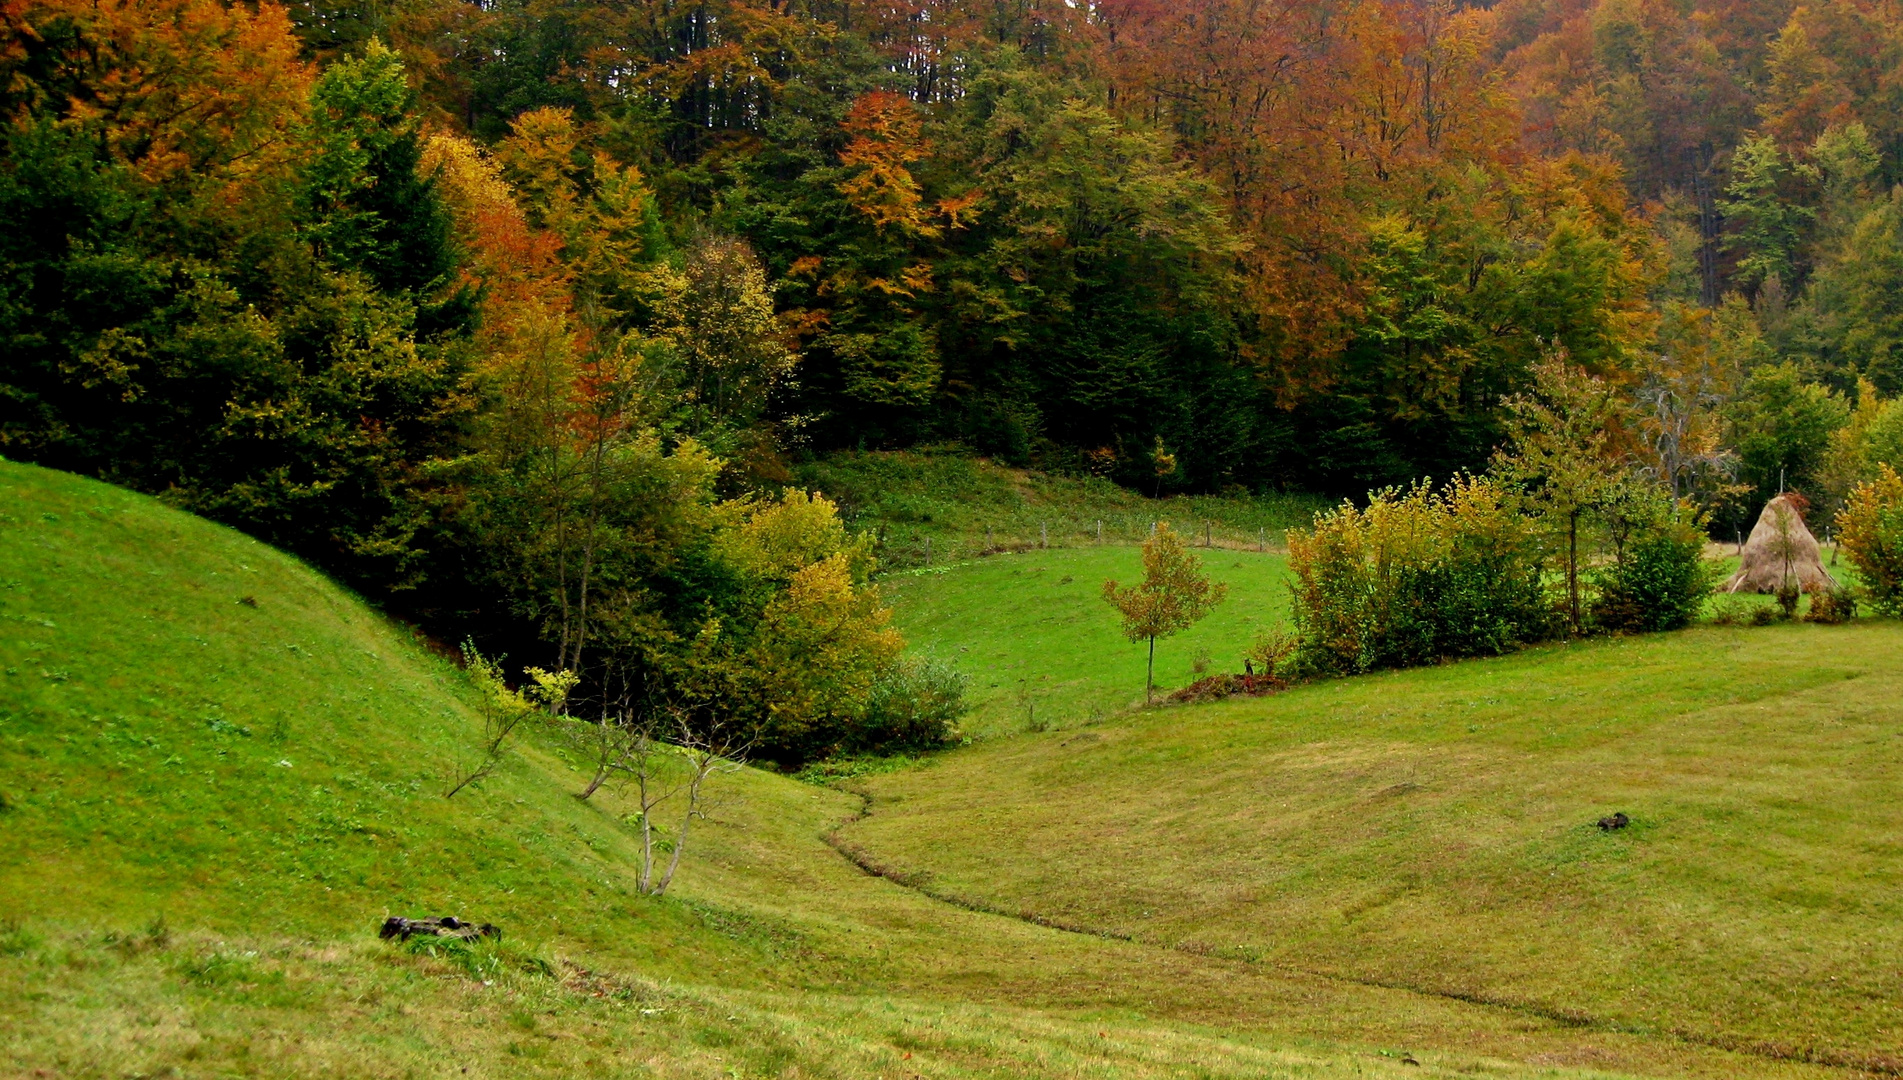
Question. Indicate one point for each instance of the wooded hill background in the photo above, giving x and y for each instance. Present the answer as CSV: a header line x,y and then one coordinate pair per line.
x,y
333,271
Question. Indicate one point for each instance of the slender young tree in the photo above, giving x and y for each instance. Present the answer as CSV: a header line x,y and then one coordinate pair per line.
x,y
1174,595
1564,455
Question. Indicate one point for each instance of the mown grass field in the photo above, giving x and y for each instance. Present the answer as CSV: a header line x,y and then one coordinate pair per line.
x,y
206,807
1041,647
209,806
1434,830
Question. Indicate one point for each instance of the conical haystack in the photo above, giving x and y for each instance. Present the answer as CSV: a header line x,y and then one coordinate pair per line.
x,y
1780,545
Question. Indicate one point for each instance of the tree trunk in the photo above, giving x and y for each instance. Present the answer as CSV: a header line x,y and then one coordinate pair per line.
x,y
1149,677
601,775
701,768
1572,567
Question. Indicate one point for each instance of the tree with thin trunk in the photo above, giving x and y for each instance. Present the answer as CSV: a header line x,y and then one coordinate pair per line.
x,y
503,708
671,759
1564,456
608,743
1174,595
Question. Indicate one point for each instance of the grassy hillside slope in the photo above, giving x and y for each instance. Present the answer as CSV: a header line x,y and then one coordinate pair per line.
x,y
1042,648
1434,829
209,805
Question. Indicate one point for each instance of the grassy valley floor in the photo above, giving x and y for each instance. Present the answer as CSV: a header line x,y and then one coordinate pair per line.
x,y
1042,648
218,773
1434,830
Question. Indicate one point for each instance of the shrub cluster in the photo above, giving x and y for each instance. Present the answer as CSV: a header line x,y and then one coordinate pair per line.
x,y
1660,578
1833,605
1870,532
1418,576
915,705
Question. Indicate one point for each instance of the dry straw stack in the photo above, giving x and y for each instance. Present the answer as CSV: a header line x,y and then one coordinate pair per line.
x,y
1781,548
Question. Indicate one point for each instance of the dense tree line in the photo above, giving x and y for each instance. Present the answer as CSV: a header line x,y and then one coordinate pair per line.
x,y
522,309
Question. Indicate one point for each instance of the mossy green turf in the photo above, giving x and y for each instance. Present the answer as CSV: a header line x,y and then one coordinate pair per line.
x,y
1041,647
203,824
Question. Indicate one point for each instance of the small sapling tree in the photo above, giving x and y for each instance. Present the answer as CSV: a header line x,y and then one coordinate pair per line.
x,y
1173,595
1784,545
671,759
1870,530
503,709
1563,457
609,743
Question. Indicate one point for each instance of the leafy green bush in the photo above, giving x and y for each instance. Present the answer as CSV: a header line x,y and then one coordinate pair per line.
x,y
1417,577
915,705
1870,533
1660,579
1832,605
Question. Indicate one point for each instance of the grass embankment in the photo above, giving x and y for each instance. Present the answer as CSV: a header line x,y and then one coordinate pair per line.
x,y
1434,829
209,805
963,504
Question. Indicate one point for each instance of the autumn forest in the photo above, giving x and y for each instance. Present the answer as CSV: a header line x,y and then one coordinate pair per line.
x,y
527,307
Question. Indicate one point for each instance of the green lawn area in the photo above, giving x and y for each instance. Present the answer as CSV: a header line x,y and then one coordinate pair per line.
x,y
929,507
1039,643
219,772
1434,829
207,805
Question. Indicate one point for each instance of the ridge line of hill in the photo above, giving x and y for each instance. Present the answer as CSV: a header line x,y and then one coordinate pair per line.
x,y
919,882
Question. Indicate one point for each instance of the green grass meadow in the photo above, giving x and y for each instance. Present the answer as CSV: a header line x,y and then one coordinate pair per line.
x,y
219,772
1434,829
1041,647
934,508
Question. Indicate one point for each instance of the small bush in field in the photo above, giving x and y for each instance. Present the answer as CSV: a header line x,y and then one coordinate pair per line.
x,y
915,705
1418,577
1271,655
1870,534
1832,606
1788,594
1661,579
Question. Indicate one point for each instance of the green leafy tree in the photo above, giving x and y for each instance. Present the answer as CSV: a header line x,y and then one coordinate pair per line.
x,y
1659,578
723,326
1870,530
1781,424
1770,224
1174,595
503,709
1563,457
1856,300
368,206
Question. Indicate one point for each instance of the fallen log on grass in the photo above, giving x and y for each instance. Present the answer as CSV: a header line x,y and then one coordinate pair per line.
x,y
448,926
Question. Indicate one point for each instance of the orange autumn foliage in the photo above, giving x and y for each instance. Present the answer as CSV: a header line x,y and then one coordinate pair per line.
x,y
175,86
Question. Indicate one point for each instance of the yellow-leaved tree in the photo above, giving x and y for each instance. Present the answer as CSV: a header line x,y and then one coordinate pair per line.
x,y
1174,595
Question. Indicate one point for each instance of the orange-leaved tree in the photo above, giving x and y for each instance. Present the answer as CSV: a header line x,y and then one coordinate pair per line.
x,y
1174,595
